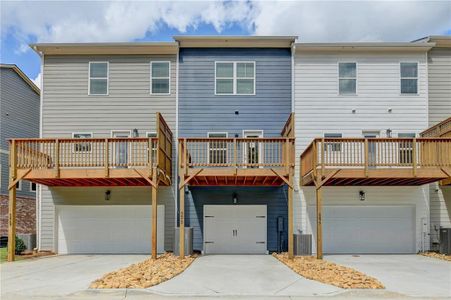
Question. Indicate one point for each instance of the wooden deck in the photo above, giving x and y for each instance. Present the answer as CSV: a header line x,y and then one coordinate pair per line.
x,y
376,162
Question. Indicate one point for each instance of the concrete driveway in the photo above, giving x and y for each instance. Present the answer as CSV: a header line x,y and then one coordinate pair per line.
x,y
58,275
411,275
243,275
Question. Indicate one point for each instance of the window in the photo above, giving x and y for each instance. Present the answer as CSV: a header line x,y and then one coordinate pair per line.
x,y
19,185
405,148
98,78
160,77
235,78
409,78
82,147
33,187
217,150
347,78
332,146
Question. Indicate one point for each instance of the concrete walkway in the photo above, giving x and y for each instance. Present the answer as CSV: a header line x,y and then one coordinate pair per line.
x,y
252,275
58,275
411,275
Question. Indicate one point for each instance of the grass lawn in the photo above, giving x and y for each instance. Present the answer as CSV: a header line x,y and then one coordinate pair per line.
x,y
4,255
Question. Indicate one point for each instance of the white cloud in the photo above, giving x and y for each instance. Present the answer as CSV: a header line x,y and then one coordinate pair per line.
x,y
37,80
96,21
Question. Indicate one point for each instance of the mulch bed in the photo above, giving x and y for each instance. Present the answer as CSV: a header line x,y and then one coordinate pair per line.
x,y
330,273
144,274
436,255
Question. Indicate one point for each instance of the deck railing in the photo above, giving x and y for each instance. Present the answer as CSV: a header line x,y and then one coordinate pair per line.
x,y
236,152
85,153
376,153
442,129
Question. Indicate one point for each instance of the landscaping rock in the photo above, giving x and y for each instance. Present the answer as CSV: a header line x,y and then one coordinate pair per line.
x,y
144,274
330,273
436,255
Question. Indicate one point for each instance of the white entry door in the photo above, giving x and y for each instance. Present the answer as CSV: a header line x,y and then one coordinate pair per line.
x,y
108,229
235,229
366,229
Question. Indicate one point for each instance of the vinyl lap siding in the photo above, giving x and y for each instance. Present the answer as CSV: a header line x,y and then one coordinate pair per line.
x,y
320,109
19,106
67,108
439,66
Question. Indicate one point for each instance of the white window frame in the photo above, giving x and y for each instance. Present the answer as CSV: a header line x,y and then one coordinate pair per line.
x,y
355,78
168,77
258,132
31,186
73,136
129,132
209,148
417,78
107,78
19,185
235,78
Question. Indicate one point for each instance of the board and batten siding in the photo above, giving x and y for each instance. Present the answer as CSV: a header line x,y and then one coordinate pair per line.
x,y
19,107
201,111
320,109
439,67
67,108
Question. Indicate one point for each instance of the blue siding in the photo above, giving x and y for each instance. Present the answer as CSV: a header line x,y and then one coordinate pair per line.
x,y
201,111
274,197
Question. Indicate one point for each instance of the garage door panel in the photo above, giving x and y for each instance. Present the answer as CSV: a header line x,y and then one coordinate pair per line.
x,y
107,229
367,229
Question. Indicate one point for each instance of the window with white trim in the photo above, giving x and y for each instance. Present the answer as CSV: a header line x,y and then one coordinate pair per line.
x,y
82,147
347,78
98,78
406,148
409,77
160,77
235,78
33,186
19,185
217,150
332,146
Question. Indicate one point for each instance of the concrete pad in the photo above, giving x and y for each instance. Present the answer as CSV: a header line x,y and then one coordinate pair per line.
x,y
59,275
257,275
411,275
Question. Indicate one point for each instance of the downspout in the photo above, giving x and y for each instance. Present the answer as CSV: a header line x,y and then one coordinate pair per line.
x,y
293,52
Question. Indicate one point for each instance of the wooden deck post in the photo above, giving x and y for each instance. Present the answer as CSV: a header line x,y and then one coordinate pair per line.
x,y
57,158
414,157
106,159
366,157
290,215
182,222
154,214
319,224
12,203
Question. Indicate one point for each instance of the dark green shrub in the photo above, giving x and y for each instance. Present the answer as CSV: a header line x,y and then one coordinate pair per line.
x,y
20,245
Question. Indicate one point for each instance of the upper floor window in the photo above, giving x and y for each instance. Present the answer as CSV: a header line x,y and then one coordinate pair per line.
x,y
98,78
347,78
160,77
235,78
409,78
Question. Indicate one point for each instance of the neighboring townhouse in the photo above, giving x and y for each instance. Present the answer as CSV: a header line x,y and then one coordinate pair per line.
x,y
235,96
348,98
107,115
19,107
439,89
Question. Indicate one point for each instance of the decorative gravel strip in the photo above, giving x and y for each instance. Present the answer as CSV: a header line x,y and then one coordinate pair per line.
x,y
144,274
330,273
437,255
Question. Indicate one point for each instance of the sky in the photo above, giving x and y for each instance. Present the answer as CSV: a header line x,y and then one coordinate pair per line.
x,y
25,22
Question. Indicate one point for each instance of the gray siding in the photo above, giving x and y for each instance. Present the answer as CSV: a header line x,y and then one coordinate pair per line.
x,y
19,107
439,67
201,111
67,108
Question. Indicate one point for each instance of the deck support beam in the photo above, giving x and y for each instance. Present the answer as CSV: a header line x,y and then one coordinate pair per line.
x,y
182,222
154,213
319,223
12,202
290,215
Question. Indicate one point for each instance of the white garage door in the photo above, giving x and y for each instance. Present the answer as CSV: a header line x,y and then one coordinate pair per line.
x,y
235,229
107,229
367,229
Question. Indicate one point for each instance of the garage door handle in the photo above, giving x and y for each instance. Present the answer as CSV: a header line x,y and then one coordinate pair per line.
x,y
261,217
260,242
208,242
209,216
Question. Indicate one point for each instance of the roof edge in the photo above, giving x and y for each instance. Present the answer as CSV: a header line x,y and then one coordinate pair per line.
x,y
364,46
25,78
